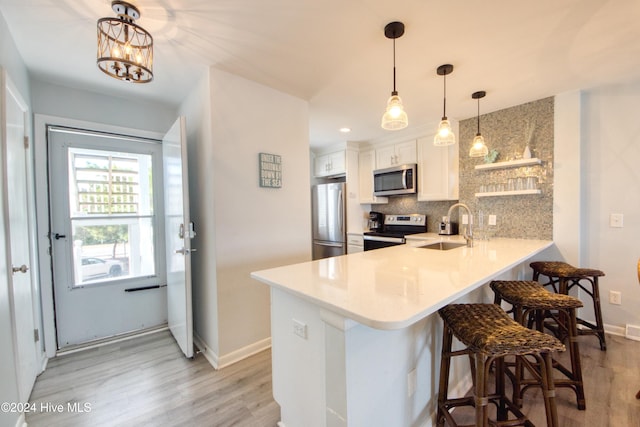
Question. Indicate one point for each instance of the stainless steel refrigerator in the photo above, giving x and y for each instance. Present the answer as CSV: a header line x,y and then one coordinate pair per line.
x,y
328,218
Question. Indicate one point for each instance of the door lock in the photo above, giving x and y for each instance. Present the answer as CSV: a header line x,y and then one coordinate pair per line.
x,y
59,236
22,269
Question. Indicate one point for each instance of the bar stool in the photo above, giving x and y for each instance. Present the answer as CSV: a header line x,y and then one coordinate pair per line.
x,y
531,302
489,335
563,277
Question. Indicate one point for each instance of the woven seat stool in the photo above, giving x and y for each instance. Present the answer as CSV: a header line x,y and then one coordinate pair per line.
x,y
489,335
532,302
563,277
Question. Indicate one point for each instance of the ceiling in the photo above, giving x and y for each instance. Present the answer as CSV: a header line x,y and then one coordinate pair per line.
x,y
333,53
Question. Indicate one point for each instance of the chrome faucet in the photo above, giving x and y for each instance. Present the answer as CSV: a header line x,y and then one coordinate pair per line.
x,y
468,232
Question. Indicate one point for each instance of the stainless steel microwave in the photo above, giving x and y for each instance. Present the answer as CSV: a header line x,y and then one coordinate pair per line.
x,y
395,180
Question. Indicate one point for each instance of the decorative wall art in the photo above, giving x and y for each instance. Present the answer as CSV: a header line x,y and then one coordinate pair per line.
x,y
270,167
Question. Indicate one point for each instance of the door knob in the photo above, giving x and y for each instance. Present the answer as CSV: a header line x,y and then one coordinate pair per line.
x,y
22,269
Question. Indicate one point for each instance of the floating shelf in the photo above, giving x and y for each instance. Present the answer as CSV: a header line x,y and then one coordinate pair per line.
x,y
509,164
509,193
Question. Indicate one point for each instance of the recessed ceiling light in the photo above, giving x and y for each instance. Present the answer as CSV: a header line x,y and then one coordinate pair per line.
x,y
345,130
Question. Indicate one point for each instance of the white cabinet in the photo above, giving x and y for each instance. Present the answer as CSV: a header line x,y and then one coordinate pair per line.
x,y
330,164
366,166
438,174
355,243
397,154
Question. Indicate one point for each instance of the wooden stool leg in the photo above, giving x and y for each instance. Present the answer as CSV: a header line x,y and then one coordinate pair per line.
x,y
548,389
480,393
574,352
445,365
598,313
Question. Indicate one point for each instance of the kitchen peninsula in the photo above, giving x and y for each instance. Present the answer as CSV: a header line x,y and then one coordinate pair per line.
x,y
356,338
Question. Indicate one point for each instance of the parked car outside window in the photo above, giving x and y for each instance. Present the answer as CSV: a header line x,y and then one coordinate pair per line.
x,y
97,267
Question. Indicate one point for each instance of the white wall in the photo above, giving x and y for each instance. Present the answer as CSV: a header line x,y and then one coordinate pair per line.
x,y
11,61
64,101
256,227
611,140
241,226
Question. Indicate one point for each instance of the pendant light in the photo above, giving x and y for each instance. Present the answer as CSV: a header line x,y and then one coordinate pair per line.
x,y
125,49
394,118
478,147
445,135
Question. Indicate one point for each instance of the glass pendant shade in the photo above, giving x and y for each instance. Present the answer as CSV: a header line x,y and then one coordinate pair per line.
x,y
478,147
394,118
125,49
445,135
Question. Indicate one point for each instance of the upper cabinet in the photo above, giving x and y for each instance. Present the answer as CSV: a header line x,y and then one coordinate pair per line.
x,y
330,164
438,174
397,154
366,166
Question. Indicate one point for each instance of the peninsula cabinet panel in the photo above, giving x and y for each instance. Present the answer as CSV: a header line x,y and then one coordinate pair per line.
x,y
438,173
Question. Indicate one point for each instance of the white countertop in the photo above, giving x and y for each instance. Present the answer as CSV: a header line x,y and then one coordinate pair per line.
x,y
394,287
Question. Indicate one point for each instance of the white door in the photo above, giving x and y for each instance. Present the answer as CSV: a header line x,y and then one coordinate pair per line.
x,y
15,193
179,232
107,227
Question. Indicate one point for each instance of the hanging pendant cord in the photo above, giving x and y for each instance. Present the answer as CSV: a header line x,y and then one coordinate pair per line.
x,y
394,67
444,100
478,116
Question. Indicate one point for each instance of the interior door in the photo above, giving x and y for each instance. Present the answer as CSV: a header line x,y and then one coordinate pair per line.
x,y
18,252
179,232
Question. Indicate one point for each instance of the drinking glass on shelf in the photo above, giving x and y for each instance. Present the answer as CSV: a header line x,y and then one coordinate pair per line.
x,y
520,183
532,183
500,187
511,184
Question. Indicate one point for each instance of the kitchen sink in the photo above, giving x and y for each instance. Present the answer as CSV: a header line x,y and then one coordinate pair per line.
x,y
443,246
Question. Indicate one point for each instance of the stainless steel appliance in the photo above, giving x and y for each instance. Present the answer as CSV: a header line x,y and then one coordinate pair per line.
x,y
394,229
328,220
376,221
396,180
447,228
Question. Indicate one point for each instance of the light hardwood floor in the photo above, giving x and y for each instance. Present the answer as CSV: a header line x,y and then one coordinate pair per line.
x,y
147,382
611,380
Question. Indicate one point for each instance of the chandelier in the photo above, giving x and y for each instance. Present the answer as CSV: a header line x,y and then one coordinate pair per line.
x,y
125,49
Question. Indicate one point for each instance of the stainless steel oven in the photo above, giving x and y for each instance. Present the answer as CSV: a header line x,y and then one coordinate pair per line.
x,y
394,229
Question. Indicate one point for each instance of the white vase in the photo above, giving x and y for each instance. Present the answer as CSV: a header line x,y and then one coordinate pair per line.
x,y
526,154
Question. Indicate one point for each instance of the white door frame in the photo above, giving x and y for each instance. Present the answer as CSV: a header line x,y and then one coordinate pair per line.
x,y
42,208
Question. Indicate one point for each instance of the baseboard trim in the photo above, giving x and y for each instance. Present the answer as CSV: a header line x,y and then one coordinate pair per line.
x,y
219,362
632,332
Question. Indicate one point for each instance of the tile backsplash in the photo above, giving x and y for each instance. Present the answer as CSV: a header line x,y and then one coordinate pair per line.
x,y
507,132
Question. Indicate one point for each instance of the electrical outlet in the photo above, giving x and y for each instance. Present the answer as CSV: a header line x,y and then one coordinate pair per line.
x,y
492,220
616,220
412,382
615,297
299,329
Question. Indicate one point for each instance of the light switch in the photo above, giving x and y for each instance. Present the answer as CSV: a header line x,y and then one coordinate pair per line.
x,y
616,220
492,220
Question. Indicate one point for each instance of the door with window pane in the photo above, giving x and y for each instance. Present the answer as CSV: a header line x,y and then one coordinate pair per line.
x,y
106,232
